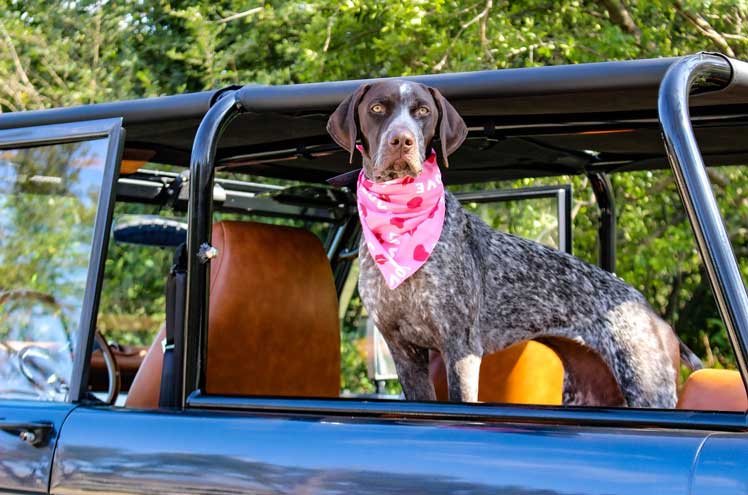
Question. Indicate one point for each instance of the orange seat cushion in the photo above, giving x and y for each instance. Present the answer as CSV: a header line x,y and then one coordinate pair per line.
x,y
714,390
526,373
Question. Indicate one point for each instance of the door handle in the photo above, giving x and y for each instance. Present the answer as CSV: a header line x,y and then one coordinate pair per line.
x,y
35,434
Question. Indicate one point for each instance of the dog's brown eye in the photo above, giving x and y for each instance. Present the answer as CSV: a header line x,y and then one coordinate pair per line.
x,y
422,111
377,108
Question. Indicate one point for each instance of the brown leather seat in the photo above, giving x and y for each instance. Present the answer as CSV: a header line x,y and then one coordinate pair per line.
x,y
273,326
526,373
714,390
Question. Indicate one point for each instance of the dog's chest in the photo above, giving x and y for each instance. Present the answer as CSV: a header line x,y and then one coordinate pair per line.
x,y
444,284
406,309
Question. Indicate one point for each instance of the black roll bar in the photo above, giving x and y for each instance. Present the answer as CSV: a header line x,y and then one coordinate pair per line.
x,y
606,229
684,77
199,251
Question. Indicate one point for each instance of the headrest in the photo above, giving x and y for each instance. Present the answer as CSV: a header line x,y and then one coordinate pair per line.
x,y
273,326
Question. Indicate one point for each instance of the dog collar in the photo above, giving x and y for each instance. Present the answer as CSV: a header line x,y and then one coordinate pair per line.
x,y
402,220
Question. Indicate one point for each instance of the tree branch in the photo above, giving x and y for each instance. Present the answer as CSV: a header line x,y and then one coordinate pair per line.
x,y
483,36
619,14
484,13
328,36
326,44
8,104
738,37
705,28
28,86
239,15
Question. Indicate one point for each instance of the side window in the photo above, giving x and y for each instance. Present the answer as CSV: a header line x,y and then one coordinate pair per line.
x,y
49,197
541,214
132,308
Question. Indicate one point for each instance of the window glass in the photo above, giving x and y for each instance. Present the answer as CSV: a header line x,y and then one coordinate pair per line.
x,y
48,198
535,219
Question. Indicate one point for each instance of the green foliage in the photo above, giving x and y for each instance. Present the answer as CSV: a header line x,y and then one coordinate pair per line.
x,y
85,51
48,196
133,297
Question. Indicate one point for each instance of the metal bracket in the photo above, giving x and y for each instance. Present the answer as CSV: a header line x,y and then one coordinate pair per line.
x,y
206,252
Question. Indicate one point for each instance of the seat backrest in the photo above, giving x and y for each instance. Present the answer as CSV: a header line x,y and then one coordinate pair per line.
x,y
525,373
273,327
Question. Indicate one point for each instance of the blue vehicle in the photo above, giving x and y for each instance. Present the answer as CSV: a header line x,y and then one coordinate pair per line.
x,y
240,390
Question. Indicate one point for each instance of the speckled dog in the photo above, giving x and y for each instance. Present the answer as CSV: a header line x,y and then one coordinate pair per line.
x,y
482,290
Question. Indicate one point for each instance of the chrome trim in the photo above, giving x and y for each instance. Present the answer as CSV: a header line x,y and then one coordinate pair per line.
x,y
480,412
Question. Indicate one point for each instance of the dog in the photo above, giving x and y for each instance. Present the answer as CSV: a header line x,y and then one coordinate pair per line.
x,y
481,290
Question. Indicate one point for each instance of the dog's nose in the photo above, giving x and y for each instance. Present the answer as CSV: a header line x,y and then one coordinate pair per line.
x,y
402,139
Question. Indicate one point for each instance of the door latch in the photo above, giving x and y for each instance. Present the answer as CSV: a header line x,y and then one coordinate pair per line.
x,y
35,434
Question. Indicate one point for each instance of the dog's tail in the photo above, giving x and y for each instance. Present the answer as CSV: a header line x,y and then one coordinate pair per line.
x,y
689,358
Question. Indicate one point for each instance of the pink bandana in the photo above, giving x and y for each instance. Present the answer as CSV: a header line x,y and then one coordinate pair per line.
x,y
402,220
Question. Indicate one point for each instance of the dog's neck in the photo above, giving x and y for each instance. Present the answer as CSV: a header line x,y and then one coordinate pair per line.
x,y
401,220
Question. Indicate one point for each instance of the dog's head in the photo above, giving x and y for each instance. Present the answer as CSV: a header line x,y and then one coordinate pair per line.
x,y
397,122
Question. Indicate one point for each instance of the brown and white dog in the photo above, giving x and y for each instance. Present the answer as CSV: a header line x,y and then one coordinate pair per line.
x,y
481,290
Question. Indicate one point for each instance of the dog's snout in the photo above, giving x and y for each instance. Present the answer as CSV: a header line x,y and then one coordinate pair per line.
x,y
402,139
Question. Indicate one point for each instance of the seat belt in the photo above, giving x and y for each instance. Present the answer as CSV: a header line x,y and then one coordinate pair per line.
x,y
171,370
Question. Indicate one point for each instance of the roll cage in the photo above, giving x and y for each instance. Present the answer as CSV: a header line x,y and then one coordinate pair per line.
x,y
587,119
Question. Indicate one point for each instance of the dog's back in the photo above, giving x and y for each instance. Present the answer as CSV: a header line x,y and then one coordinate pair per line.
x,y
530,291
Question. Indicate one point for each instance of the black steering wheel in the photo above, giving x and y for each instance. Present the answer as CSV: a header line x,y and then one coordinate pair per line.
x,y
41,366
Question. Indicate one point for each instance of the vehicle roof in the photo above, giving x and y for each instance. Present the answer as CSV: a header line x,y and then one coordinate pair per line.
x,y
524,122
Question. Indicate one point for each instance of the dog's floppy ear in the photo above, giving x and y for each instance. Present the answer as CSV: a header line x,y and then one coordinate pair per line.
x,y
343,123
452,129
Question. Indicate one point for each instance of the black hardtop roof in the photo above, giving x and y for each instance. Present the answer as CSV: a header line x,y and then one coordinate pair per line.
x,y
524,122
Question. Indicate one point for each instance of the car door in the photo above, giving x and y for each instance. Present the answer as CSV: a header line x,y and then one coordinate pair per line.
x,y
224,445
55,196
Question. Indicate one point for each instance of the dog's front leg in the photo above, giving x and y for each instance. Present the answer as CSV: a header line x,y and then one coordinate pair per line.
x,y
412,363
463,372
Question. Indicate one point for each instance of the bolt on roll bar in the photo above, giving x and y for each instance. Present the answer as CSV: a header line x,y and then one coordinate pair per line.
x,y
682,78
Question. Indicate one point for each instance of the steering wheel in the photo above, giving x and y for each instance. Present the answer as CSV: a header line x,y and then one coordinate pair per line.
x,y
41,366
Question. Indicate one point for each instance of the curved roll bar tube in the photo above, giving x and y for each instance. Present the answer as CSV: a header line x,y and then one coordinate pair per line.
x,y
683,77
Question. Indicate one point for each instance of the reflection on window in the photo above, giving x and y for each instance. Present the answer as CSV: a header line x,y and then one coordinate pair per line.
x,y
48,199
535,219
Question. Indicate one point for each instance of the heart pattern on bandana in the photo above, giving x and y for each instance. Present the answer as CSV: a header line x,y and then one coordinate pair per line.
x,y
402,220
420,253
